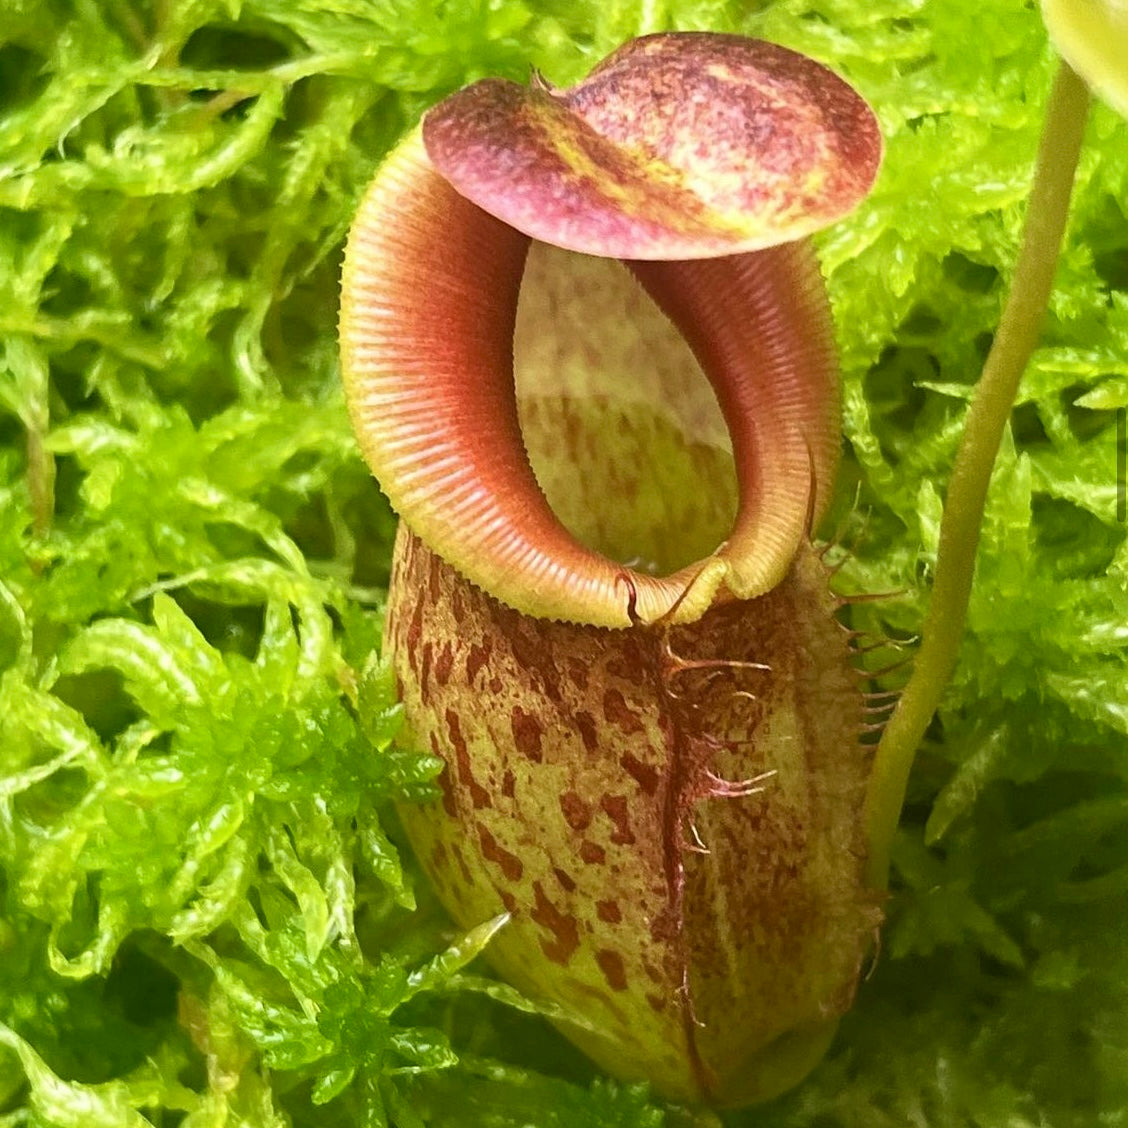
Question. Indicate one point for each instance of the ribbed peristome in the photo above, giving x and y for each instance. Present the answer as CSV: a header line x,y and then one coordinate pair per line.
x,y
431,289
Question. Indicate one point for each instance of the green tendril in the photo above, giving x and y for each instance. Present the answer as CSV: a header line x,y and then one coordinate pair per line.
x,y
1017,335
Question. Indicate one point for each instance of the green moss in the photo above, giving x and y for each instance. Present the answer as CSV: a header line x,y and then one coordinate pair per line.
x,y
203,909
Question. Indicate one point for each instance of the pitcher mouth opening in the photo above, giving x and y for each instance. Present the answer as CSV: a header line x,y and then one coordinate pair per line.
x,y
621,426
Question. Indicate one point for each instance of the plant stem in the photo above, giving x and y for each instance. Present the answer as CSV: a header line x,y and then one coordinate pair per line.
x,y
40,482
1017,335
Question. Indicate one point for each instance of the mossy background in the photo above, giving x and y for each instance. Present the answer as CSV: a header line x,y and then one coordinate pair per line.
x,y
204,917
